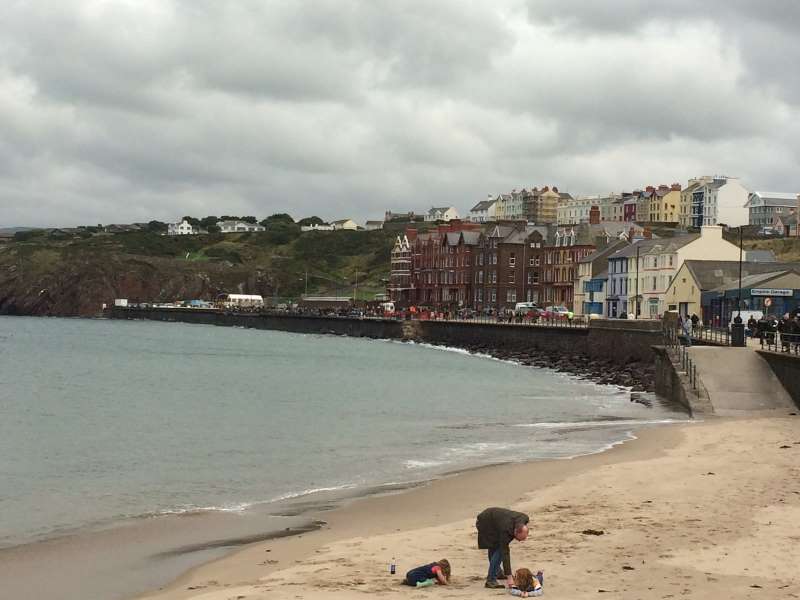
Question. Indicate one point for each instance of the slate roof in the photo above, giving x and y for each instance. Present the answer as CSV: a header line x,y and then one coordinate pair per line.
x,y
483,205
712,274
758,279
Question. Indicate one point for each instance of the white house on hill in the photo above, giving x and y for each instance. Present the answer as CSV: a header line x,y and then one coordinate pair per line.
x,y
484,211
239,226
442,213
182,228
347,224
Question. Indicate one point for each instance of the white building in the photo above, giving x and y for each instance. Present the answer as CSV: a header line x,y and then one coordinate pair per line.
x,y
442,213
316,227
373,225
182,228
574,211
714,200
763,207
484,211
239,226
347,224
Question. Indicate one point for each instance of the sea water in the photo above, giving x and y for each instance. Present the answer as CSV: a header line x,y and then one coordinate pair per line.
x,y
106,421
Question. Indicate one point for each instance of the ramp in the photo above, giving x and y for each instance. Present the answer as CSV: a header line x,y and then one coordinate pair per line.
x,y
739,382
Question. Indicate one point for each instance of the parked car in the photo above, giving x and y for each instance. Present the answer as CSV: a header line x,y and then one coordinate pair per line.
x,y
556,312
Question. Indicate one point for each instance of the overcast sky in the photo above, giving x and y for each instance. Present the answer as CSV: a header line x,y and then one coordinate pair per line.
x,y
129,110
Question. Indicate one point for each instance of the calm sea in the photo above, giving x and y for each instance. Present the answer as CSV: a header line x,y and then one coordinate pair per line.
x,y
105,421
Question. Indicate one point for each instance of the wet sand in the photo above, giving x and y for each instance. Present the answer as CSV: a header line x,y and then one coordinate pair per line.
x,y
706,510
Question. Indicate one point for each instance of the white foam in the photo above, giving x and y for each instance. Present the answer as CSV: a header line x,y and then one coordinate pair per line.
x,y
591,424
423,464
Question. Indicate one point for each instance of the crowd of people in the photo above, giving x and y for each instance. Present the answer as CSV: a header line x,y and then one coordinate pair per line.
x,y
772,331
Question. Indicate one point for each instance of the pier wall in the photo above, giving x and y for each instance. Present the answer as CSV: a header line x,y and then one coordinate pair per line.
x,y
619,341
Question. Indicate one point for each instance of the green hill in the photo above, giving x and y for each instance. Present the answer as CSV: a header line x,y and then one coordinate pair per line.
x,y
57,274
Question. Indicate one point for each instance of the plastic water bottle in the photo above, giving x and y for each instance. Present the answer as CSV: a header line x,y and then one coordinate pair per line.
x,y
540,577
392,567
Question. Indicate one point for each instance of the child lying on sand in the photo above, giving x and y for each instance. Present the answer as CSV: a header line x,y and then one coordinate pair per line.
x,y
525,584
437,572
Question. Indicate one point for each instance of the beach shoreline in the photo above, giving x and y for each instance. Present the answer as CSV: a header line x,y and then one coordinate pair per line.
x,y
342,521
640,494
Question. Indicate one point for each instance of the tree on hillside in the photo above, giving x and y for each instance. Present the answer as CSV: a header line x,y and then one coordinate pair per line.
x,y
152,227
193,221
315,220
208,222
249,219
229,218
276,218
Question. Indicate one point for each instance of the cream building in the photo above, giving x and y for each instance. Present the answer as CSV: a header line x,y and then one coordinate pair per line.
x,y
659,264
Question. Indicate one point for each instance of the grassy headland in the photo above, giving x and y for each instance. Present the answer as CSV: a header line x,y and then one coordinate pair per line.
x,y
45,274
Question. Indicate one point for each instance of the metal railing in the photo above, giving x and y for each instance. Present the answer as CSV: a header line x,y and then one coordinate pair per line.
x,y
676,345
775,341
577,322
711,335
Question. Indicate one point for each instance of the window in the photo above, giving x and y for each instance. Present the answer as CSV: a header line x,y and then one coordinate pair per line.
x,y
530,261
480,259
494,276
494,295
494,258
512,260
480,276
511,295
511,277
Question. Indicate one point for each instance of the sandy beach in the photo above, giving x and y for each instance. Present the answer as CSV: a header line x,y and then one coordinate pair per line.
x,y
705,510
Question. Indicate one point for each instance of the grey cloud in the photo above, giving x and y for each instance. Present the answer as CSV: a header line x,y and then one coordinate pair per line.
x,y
154,109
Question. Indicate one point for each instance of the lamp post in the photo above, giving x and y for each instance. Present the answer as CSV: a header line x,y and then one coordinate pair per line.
x,y
636,298
737,328
739,296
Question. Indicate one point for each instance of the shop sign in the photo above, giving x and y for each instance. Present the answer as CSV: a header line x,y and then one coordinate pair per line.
x,y
771,292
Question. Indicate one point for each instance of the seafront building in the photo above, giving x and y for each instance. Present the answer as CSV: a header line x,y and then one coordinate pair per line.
x,y
714,200
696,277
764,207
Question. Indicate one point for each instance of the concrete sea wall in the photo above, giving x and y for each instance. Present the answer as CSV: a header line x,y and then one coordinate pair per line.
x,y
613,341
787,369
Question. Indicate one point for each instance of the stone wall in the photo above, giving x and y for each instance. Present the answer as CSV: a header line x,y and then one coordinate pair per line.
x,y
787,369
380,329
613,341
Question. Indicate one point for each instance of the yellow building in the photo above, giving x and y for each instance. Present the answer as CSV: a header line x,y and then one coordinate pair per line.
x,y
665,203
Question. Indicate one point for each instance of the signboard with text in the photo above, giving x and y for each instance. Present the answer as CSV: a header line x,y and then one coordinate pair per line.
x,y
771,292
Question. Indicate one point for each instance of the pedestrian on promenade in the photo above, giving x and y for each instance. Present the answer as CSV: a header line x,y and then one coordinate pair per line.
x,y
763,325
687,332
752,326
695,321
497,528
